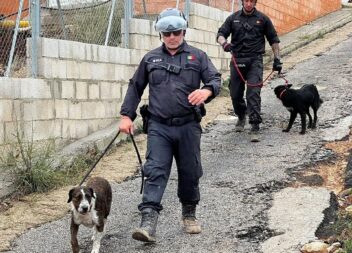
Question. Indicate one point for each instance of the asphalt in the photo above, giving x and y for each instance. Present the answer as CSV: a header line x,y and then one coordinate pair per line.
x,y
289,42
284,200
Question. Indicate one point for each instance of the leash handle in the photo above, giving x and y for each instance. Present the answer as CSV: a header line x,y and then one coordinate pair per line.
x,y
140,162
101,155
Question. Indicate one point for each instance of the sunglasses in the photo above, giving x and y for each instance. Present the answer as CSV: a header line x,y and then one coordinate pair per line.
x,y
175,33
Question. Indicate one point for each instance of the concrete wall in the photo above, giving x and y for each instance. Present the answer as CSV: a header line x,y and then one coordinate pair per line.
x,y
79,91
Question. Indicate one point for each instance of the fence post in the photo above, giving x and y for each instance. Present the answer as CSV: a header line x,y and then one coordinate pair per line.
x,y
61,19
239,4
128,15
35,19
187,8
14,39
110,22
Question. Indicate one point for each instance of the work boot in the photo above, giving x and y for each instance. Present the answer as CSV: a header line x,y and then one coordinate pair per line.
x,y
190,223
240,124
255,133
147,229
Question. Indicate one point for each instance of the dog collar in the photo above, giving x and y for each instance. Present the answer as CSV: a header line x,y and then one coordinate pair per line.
x,y
282,92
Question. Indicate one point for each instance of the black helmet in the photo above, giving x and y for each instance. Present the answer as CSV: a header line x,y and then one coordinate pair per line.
x,y
169,20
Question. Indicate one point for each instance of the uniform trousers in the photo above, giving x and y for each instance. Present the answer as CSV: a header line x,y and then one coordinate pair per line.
x,y
163,144
252,71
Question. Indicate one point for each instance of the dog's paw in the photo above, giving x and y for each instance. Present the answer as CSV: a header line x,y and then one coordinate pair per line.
x,y
302,132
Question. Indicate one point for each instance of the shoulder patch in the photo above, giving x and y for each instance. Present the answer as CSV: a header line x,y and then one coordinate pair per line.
x,y
191,57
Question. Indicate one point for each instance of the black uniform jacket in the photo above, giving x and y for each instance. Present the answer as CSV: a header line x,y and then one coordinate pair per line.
x,y
171,79
248,31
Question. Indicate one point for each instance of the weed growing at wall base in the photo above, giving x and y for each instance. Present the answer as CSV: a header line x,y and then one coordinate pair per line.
x,y
32,166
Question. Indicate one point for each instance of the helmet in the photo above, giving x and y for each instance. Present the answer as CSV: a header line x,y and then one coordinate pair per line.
x,y
170,20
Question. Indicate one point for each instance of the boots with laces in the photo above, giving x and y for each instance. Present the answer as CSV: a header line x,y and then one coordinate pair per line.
x,y
190,223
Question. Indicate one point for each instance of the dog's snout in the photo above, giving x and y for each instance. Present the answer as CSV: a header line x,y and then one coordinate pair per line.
x,y
83,209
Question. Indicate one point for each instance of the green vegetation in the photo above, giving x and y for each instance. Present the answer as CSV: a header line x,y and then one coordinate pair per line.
x,y
32,166
225,91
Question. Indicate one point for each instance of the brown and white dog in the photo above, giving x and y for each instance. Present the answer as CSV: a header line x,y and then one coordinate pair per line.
x,y
90,207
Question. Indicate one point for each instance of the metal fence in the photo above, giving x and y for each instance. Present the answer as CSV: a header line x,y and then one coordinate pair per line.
x,y
88,21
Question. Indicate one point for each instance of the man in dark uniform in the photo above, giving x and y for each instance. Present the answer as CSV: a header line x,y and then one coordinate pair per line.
x,y
174,72
248,28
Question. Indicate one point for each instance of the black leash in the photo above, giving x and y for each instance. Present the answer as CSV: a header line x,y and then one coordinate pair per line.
x,y
101,155
140,162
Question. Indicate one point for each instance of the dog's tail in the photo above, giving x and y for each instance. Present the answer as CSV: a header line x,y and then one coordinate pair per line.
x,y
319,103
318,100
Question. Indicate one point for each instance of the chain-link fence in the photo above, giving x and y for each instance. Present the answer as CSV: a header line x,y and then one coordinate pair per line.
x,y
13,41
88,21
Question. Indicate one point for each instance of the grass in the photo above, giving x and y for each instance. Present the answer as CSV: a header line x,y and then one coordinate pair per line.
x,y
32,166
224,89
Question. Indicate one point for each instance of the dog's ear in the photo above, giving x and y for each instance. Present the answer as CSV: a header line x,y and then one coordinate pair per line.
x,y
70,195
91,191
289,85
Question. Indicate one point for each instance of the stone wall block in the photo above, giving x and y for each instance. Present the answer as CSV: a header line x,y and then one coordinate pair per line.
x,y
65,49
50,48
81,90
6,110
61,109
74,110
35,88
78,50
10,88
93,91
38,110
67,89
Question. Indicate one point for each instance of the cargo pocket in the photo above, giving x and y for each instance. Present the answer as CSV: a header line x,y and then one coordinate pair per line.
x,y
192,75
157,74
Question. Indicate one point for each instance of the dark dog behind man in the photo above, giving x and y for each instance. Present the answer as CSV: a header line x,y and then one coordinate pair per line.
x,y
299,101
90,206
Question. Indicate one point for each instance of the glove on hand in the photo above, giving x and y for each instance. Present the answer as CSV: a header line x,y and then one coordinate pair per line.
x,y
226,46
277,65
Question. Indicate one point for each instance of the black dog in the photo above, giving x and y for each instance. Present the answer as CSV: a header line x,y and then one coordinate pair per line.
x,y
299,101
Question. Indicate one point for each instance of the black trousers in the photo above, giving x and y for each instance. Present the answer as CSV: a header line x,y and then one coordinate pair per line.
x,y
165,143
252,71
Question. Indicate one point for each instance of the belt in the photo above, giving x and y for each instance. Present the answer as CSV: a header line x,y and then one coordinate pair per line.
x,y
244,55
176,121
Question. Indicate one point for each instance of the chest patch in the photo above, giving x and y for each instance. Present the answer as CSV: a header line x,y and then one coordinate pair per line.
x,y
156,60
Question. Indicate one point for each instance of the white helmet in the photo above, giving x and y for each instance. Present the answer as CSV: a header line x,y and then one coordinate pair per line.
x,y
169,20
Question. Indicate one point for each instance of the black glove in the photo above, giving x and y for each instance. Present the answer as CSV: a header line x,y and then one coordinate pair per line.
x,y
227,46
277,65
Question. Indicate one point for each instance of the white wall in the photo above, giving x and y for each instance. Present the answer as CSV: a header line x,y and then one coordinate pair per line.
x,y
81,86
